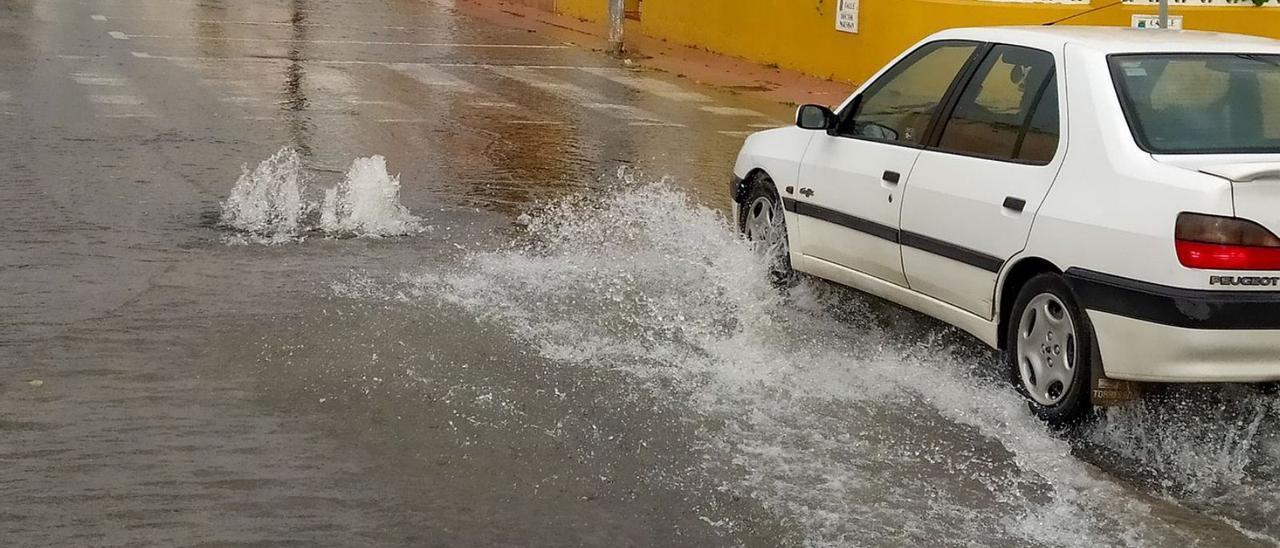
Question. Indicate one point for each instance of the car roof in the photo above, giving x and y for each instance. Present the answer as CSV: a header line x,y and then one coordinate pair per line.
x,y
1117,39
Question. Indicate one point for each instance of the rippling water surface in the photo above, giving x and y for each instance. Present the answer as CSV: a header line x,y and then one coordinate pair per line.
x,y
446,327
857,422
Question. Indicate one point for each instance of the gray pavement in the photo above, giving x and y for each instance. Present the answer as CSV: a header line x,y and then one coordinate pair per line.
x,y
608,371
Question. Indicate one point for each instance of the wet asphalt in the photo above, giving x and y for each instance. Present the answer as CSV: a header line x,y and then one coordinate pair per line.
x,y
138,402
163,383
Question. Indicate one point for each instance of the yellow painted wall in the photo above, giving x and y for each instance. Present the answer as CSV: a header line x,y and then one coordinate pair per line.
x,y
801,35
590,10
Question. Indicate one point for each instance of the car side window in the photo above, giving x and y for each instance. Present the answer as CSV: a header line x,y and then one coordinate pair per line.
x,y
1008,110
899,105
1041,139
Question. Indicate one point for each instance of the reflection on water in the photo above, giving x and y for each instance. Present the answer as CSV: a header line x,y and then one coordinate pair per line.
x,y
812,401
295,104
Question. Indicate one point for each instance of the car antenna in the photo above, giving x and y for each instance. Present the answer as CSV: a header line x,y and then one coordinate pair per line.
x,y
1085,12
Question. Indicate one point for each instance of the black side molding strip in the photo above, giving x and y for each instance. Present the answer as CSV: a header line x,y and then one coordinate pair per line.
x,y
1174,306
952,251
885,232
859,224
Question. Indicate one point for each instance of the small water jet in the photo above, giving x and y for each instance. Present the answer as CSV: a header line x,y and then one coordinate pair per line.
x,y
269,204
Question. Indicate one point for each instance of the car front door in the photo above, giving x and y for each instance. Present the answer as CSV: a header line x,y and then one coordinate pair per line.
x,y
970,201
851,177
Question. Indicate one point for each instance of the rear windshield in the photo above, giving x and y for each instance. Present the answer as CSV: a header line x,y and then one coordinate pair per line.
x,y
1201,103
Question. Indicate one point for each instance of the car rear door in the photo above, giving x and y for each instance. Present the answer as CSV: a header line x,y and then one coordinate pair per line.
x,y
970,201
851,178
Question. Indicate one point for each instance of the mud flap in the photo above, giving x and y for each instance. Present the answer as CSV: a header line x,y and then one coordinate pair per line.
x,y
1109,392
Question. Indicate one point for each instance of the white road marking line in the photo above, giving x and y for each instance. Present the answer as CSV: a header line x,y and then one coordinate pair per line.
x,y
98,17
492,104
64,56
433,76
368,102
260,118
340,89
118,35
437,120
240,100
95,80
575,94
5,97
736,133
607,106
184,59
731,111
652,86
332,80
115,100
354,42
320,111
657,124
261,23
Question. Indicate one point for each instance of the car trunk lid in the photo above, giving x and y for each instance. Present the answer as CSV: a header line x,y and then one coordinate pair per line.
x,y
1245,172
1255,184
1255,190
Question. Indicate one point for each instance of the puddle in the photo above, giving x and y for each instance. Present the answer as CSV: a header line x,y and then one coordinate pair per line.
x,y
858,424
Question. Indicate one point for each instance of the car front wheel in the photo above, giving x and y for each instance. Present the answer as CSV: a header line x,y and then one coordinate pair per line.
x,y
1049,350
765,226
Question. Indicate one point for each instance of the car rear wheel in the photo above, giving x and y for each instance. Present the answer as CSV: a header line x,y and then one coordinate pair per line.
x,y
1049,350
765,226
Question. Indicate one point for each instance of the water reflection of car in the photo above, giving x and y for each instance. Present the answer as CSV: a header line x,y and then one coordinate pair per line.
x,y
1092,201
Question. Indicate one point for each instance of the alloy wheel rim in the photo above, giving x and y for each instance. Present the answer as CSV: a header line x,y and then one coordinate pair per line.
x,y
1046,349
766,228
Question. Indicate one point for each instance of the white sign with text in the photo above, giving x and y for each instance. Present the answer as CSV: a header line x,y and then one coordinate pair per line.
x,y
1153,22
847,16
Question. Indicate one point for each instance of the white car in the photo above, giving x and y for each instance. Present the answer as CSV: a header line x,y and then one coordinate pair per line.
x,y
1097,203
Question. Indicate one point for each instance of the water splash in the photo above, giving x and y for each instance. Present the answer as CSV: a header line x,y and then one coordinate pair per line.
x,y
367,202
861,424
1214,448
1226,433
268,204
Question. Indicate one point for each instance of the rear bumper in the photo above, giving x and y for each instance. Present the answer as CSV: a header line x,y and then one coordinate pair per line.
x,y
1135,350
1149,332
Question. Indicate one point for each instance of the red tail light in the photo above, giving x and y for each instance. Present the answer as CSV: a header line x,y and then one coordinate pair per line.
x,y
1225,243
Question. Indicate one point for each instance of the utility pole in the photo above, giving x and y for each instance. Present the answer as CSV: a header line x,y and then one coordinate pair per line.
x,y
617,14
1164,14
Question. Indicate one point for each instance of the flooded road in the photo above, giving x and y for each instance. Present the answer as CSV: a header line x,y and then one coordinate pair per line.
x,y
492,299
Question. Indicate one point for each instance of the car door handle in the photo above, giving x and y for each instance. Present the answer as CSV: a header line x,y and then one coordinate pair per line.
x,y
1014,204
891,177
